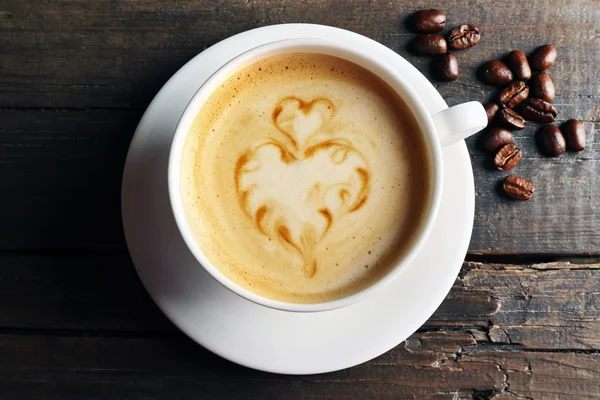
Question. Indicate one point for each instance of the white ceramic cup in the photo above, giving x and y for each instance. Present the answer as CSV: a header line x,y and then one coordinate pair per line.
x,y
442,129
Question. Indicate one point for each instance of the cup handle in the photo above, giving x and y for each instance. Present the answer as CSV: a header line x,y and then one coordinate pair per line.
x,y
459,122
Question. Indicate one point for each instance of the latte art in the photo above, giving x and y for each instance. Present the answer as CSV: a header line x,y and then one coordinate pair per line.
x,y
299,212
304,178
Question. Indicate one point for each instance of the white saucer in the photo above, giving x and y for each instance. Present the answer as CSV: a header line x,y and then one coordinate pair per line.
x,y
242,331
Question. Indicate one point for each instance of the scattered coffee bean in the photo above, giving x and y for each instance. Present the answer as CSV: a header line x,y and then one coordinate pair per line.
x,y
507,157
574,134
517,61
513,72
539,110
553,140
430,44
496,138
446,67
463,37
542,86
518,188
514,94
511,119
496,73
543,57
428,21
491,109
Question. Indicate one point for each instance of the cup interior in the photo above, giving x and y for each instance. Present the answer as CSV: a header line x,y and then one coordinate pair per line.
x,y
390,75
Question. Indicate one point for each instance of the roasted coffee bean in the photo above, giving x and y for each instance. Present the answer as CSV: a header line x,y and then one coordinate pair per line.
x,y
539,110
543,57
517,61
491,109
553,140
446,67
518,188
514,94
574,133
428,21
430,44
496,73
463,37
541,86
496,138
511,119
507,157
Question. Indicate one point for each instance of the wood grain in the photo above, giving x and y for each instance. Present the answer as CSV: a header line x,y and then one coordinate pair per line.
x,y
60,178
96,292
85,54
76,322
542,306
428,365
552,306
86,59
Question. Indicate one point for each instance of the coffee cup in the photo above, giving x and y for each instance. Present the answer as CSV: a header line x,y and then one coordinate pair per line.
x,y
320,147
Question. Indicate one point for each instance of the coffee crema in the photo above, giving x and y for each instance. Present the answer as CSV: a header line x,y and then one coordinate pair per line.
x,y
304,178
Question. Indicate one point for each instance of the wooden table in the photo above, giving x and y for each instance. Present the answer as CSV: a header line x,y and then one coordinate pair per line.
x,y
522,321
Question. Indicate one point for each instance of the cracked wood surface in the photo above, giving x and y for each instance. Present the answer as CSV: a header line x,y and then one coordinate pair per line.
x,y
504,332
75,321
441,365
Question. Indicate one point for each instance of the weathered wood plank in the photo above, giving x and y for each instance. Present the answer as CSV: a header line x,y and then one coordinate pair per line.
x,y
71,65
554,306
86,293
79,324
547,306
543,375
60,178
112,54
88,54
81,54
562,217
100,367
61,174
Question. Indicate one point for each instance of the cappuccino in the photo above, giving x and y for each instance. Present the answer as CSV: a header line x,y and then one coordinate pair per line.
x,y
305,178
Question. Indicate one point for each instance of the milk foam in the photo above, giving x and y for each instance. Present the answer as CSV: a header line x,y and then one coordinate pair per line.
x,y
304,178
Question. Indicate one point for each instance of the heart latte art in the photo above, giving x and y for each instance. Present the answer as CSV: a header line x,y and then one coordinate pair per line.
x,y
305,147
304,178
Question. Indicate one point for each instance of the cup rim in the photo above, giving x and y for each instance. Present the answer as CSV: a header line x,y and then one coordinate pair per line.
x,y
390,75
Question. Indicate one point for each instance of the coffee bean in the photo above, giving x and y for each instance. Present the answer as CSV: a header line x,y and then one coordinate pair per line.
x,y
496,138
543,57
553,140
511,119
463,37
574,134
539,110
507,157
518,188
517,61
430,44
428,21
496,73
491,109
446,67
542,86
514,94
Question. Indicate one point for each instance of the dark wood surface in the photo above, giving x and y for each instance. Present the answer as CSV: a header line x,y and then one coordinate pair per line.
x,y
522,321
